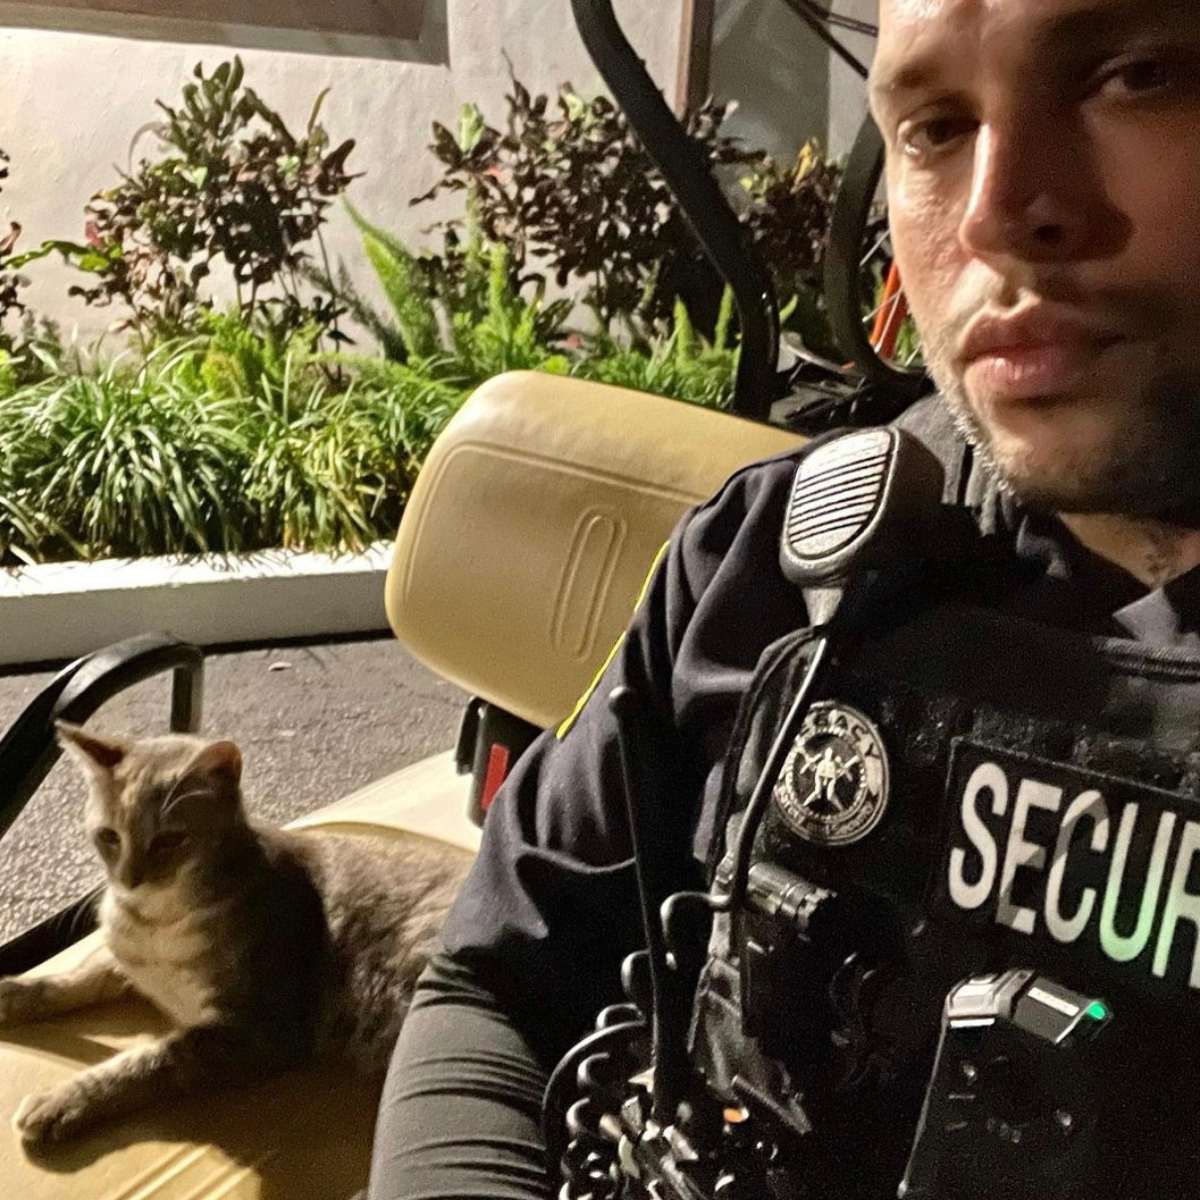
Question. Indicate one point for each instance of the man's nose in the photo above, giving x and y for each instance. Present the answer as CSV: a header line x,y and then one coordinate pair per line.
x,y
1029,198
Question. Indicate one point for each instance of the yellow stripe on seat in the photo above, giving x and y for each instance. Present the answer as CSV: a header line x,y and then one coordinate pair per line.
x,y
565,727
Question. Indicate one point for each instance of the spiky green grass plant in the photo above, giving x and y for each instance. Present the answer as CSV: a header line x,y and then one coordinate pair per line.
x,y
147,458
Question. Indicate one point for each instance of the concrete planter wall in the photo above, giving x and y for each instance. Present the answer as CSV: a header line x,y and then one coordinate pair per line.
x,y
63,610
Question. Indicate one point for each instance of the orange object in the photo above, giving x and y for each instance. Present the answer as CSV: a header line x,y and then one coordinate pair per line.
x,y
890,317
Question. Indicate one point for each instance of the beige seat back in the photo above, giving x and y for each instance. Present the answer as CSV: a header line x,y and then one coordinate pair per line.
x,y
531,528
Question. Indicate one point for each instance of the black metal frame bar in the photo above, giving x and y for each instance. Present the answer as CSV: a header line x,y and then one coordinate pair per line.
x,y
707,211
842,276
838,20
29,750
819,19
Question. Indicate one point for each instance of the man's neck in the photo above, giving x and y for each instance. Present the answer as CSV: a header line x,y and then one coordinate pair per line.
x,y
1153,552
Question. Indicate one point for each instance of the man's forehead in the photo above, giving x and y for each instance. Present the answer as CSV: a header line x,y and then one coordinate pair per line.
x,y
898,13
901,18
916,36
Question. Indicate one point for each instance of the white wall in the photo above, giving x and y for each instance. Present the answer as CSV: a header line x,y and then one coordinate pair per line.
x,y
789,87
72,101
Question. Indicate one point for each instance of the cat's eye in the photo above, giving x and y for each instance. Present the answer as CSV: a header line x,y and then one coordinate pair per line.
x,y
168,841
108,838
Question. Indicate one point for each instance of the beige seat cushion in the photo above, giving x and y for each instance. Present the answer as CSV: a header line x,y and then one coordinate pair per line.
x,y
305,1136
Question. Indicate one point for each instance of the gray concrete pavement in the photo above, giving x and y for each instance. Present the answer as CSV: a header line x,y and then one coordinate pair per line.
x,y
314,723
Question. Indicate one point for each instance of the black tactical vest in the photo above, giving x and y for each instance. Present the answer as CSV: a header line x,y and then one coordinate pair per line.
x,y
970,793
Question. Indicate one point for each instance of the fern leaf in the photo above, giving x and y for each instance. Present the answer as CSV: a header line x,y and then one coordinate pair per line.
x,y
396,266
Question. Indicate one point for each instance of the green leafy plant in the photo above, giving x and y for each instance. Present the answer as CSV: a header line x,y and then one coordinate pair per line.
x,y
567,187
233,189
787,218
229,441
119,460
234,359
492,328
569,190
142,456
25,340
407,406
682,364
496,329
11,284
413,329
228,430
314,450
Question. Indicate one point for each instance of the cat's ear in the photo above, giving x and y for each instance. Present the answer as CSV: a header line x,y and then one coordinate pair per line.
x,y
218,762
98,755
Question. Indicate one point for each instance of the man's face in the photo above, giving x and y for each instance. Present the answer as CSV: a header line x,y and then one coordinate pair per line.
x,y
1043,173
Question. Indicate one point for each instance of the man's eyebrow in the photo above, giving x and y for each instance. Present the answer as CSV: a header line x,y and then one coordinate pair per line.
x,y
913,76
1069,34
1116,18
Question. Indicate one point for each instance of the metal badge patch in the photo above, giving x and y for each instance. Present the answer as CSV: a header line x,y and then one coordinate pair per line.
x,y
833,789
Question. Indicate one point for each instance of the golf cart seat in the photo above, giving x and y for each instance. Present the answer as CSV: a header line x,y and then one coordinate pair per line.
x,y
519,560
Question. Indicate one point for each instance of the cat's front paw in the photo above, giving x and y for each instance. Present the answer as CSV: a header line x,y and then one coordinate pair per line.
x,y
51,1116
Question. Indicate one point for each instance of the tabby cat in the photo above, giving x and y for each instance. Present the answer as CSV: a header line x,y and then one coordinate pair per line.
x,y
264,947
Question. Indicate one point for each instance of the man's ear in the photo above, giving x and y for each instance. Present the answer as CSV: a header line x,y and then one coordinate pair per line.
x,y
99,755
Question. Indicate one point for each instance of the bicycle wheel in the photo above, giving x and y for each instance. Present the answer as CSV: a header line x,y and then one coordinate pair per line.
x,y
863,293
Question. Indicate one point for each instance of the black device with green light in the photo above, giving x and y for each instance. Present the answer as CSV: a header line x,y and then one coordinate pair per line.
x,y
1015,1095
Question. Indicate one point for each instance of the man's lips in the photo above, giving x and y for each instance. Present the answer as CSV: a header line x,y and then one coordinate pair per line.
x,y
1036,354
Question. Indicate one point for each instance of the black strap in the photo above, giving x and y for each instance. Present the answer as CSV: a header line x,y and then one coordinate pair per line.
x,y
969,482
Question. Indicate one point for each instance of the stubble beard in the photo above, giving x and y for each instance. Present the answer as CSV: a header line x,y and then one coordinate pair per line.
x,y
1147,469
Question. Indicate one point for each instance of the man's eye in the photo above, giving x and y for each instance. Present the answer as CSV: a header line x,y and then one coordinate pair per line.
x,y
1138,78
935,134
1151,75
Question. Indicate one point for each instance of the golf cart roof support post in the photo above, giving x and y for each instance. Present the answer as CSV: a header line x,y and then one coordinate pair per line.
x,y
693,76
687,172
